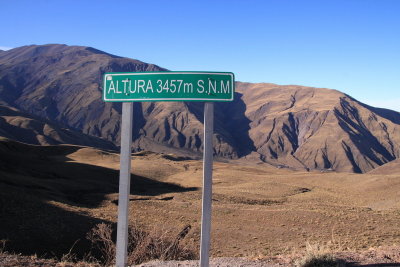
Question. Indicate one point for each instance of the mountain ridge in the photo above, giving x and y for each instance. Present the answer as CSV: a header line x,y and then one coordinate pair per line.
x,y
286,126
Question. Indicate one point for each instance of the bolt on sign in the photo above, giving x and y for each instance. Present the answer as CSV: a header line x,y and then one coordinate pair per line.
x,y
168,86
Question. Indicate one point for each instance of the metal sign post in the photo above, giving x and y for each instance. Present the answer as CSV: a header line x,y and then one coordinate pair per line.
x,y
207,184
124,184
128,87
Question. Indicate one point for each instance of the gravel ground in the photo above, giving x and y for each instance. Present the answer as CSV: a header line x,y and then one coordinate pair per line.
x,y
215,262
373,257
12,260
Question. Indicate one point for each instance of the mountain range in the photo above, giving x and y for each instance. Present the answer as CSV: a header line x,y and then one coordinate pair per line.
x,y
51,94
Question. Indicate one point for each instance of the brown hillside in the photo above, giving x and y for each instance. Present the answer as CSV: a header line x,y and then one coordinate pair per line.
x,y
62,83
319,128
392,167
288,126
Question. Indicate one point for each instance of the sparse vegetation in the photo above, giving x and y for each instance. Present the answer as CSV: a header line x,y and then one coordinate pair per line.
x,y
325,260
319,256
62,192
101,238
2,245
143,246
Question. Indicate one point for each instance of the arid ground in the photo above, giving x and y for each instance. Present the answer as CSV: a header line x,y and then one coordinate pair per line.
x,y
259,210
53,195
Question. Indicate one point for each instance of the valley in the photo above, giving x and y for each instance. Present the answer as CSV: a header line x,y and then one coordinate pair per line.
x,y
59,192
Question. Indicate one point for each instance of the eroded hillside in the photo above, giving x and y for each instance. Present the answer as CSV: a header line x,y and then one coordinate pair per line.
x,y
286,126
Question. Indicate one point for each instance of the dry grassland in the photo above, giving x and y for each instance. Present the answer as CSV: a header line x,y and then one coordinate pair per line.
x,y
258,210
261,210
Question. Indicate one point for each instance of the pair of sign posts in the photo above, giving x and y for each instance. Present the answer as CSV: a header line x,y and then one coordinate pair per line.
x,y
205,87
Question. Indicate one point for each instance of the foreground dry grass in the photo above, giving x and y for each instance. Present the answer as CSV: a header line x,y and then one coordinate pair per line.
x,y
258,210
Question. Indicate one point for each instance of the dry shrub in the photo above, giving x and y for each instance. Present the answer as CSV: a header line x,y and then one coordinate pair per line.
x,y
77,264
72,260
319,256
3,245
101,237
142,246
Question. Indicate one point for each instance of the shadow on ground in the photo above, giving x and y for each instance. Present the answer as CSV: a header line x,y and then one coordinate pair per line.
x,y
374,265
42,194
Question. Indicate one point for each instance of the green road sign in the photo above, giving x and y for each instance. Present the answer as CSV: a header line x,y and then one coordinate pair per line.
x,y
168,86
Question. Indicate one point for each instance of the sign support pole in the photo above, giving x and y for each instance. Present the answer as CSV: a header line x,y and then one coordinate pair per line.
x,y
124,184
207,184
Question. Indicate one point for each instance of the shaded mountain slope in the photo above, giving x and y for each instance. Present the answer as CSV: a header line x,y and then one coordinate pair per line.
x,y
288,126
23,127
166,126
62,83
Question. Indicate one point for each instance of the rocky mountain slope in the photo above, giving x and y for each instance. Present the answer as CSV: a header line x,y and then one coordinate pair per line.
x,y
62,84
319,128
287,126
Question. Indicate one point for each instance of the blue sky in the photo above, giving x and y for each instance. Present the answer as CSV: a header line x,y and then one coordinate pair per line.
x,y
349,45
